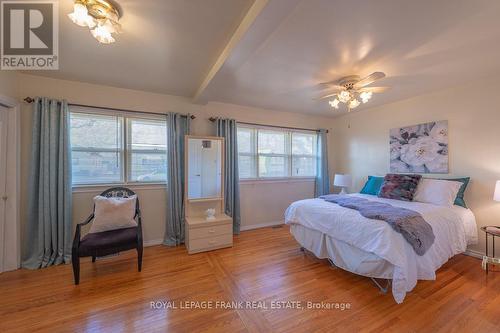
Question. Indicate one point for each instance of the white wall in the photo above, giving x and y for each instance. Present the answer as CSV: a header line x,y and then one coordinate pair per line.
x,y
261,203
8,83
473,114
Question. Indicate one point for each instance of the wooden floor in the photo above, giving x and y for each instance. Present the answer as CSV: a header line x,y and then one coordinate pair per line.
x,y
264,265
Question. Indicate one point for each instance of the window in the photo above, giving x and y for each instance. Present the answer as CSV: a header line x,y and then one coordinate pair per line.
x,y
276,153
304,154
147,150
97,149
117,148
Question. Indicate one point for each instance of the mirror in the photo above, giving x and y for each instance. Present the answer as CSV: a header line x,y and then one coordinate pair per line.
x,y
204,168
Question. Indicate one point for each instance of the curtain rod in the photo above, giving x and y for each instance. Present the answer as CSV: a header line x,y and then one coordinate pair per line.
x,y
212,119
31,100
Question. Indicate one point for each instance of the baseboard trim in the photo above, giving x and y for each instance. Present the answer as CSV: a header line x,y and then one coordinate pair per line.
x,y
261,225
152,242
473,253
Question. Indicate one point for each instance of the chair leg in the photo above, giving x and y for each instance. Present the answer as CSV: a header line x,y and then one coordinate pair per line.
x,y
139,258
76,268
93,258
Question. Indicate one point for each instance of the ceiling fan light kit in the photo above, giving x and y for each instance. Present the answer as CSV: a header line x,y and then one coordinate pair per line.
x,y
100,16
351,89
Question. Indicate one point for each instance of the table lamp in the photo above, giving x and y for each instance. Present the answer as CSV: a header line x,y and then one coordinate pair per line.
x,y
345,181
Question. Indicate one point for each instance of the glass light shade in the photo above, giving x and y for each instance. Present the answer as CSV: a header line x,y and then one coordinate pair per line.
x,y
102,34
334,104
342,180
354,103
344,96
365,96
496,195
81,17
112,26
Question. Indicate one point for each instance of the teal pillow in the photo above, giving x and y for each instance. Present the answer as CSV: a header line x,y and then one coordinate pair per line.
x,y
459,200
372,185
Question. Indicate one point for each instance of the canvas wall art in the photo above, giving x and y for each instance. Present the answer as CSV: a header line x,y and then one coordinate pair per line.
x,y
420,148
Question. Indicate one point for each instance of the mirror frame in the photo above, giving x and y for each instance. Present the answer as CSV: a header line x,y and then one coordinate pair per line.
x,y
186,168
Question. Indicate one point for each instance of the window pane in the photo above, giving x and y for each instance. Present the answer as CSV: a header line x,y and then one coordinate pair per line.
x,y
96,167
304,166
272,142
95,131
273,166
246,166
96,142
148,144
148,134
246,146
246,137
303,143
148,167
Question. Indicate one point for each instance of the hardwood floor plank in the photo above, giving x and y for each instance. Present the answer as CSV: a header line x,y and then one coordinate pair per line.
x,y
264,266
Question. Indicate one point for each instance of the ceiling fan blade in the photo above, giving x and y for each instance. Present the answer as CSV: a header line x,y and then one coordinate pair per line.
x,y
328,95
330,85
375,90
369,79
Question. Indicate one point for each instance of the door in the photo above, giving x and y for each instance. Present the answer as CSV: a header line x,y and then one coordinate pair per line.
x,y
3,182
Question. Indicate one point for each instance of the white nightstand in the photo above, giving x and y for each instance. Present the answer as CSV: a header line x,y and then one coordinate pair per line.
x,y
205,235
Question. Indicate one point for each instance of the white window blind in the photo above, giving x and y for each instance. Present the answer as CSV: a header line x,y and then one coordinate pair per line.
x,y
97,148
147,150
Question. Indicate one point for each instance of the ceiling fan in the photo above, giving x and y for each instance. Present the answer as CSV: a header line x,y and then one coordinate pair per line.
x,y
351,89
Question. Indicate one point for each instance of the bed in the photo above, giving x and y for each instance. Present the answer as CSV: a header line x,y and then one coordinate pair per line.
x,y
372,248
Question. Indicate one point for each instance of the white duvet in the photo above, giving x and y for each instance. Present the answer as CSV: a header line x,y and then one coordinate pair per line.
x,y
454,228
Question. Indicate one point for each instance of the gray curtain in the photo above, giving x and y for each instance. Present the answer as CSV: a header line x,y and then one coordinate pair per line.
x,y
177,128
49,226
322,177
226,128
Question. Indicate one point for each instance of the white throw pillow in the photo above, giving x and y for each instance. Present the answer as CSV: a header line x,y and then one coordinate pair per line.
x,y
113,213
437,191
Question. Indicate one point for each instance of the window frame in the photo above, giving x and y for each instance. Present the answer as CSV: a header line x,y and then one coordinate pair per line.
x,y
288,153
125,152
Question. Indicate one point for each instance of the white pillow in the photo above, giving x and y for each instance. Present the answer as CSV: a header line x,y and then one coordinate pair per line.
x,y
113,213
437,191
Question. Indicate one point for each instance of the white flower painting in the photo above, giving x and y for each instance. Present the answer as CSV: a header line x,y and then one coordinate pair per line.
x,y
420,149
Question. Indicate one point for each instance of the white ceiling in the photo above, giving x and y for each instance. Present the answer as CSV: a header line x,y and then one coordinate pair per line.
x,y
169,46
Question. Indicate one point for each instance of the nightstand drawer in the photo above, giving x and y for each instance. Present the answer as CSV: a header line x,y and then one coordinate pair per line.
x,y
202,244
210,231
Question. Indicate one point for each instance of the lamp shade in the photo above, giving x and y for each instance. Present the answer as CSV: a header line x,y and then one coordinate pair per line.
x,y
496,196
343,180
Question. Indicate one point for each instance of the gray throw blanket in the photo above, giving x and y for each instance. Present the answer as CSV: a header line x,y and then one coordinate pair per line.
x,y
407,222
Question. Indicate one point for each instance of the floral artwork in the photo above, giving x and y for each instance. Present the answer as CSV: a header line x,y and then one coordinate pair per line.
x,y
420,149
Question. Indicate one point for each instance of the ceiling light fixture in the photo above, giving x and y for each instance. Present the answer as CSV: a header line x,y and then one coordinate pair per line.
x,y
354,103
100,16
365,96
351,89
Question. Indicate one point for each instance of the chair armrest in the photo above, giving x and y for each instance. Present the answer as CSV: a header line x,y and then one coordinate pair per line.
x,y
87,221
78,232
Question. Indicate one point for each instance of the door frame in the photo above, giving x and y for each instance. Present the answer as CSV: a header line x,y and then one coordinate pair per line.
x,y
11,230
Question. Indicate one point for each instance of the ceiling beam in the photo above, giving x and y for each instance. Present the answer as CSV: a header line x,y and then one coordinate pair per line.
x,y
245,24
